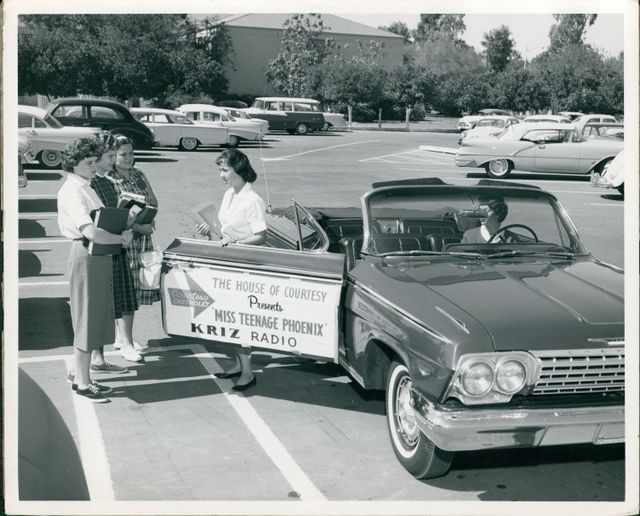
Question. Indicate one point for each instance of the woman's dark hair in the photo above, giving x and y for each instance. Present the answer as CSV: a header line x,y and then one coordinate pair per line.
x,y
499,207
239,162
105,140
121,141
77,150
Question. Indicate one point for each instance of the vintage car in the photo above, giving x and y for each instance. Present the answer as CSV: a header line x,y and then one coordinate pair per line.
x,y
509,344
537,147
583,120
290,114
469,121
174,129
612,175
489,126
213,116
47,136
603,130
547,118
104,114
25,155
571,115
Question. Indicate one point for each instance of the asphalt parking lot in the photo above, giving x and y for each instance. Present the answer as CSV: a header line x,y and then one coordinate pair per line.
x,y
174,432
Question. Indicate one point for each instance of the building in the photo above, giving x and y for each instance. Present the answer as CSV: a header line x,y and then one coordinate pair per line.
x,y
256,41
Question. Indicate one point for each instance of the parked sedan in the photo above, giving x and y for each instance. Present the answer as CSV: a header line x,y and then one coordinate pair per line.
x,y
594,118
469,121
47,136
538,147
490,126
477,346
603,130
103,114
547,118
214,116
173,129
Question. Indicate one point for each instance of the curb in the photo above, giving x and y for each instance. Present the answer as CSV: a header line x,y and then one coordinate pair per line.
x,y
404,130
441,150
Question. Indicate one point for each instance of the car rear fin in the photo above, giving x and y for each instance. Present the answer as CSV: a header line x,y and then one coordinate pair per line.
x,y
493,182
410,182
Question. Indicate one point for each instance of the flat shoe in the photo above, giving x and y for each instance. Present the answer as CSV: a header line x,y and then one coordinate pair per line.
x,y
245,386
131,355
227,375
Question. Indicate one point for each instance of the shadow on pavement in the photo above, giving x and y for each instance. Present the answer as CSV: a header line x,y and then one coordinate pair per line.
x,y
53,327
43,176
151,159
49,465
29,228
534,177
613,197
280,377
37,205
486,460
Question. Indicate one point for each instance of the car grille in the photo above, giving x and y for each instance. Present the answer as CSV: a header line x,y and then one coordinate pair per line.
x,y
580,371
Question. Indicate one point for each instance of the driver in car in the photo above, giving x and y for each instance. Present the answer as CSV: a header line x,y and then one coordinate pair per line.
x,y
497,211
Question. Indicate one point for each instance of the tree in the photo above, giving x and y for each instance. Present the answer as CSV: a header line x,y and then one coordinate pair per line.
x,y
443,56
499,48
302,50
440,25
355,81
405,86
570,29
120,55
399,28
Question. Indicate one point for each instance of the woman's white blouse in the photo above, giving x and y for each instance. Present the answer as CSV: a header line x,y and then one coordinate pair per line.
x,y
76,201
241,215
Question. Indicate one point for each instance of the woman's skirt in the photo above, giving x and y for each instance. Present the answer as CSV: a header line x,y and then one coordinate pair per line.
x,y
91,298
125,298
140,244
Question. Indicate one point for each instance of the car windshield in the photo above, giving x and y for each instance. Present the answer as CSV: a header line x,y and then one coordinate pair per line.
x,y
446,220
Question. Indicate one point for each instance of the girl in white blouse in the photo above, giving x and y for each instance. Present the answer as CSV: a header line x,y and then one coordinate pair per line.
x,y
242,221
90,277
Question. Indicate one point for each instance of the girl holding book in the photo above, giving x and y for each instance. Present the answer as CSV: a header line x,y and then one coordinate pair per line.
x,y
90,277
242,221
125,177
124,290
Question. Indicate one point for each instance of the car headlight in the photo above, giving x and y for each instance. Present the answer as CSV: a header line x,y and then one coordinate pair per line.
x,y
481,378
477,379
510,376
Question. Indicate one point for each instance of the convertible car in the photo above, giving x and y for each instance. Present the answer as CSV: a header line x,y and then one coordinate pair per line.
x,y
516,343
538,147
490,126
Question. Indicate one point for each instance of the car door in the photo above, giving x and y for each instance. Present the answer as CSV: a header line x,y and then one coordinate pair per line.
x,y
166,133
281,297
556,152
274,114
105,117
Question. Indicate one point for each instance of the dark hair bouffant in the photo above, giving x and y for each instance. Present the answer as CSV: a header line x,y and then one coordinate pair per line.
x,y
239,161
105,140
498,206
77,150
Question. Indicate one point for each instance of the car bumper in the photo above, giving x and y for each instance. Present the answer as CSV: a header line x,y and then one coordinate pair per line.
x,y
460,430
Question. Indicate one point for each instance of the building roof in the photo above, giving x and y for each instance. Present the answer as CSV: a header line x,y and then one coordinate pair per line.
x,y
335,24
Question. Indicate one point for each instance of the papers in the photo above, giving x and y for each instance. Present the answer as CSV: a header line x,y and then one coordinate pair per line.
x,y
206,213
113,220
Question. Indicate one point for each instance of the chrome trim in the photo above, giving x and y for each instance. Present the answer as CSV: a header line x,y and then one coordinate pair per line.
x,y
459,430
403,313
455,321
315,223
342,361
580,371
184,262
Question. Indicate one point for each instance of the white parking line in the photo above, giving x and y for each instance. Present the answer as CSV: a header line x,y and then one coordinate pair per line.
x,y
43,240
41,283
92,451
319,150
272,446
38,215
37,196
621,205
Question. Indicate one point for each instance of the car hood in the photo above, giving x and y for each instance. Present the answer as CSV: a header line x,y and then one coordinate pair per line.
x,y
520,303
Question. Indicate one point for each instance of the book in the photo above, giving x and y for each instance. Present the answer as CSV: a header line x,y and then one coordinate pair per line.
x,y
129,199
113,220
206,213
146,215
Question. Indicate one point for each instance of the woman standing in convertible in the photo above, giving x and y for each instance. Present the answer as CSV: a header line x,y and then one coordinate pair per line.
x,y
242,221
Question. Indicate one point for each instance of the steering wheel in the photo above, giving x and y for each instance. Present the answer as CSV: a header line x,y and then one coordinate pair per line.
x,y
509,226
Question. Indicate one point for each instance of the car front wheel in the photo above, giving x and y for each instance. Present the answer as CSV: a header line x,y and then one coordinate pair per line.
x,y
188,144
302,128
498,168
418,454
234,141
50,158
